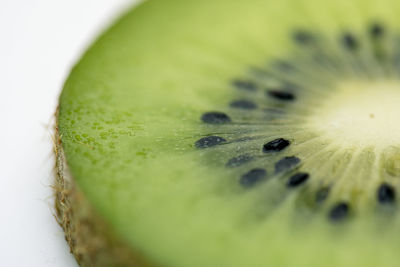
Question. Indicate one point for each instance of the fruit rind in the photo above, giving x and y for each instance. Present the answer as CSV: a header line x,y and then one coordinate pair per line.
x,y
89,236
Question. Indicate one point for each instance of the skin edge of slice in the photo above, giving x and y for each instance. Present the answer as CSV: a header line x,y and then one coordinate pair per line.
x,y
90,238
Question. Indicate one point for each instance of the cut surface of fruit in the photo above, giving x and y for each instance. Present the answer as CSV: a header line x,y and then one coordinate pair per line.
x,y
242,133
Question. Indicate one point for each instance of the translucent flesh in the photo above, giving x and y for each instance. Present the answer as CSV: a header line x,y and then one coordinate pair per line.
x,y
130,115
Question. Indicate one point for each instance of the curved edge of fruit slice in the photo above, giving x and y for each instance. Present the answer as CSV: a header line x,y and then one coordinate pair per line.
x,y
90,238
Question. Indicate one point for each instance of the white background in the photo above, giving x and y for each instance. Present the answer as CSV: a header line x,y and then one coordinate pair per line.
x,y
39,42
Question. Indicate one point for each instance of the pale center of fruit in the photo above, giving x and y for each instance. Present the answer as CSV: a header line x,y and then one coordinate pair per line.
x,y
361,114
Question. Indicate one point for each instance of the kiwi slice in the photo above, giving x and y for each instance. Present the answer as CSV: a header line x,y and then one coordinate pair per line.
x,y
235,133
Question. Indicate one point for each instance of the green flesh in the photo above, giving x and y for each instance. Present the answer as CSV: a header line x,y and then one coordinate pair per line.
x,y
130,116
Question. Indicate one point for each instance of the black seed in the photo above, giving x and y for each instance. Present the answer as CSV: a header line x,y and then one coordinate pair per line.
x,y
239,160
339,212
252,177
276,145
303,37
245,85
215,118
297,179
376,31
243,104
386,194
209,141
281,95
349,41
286,163
322,194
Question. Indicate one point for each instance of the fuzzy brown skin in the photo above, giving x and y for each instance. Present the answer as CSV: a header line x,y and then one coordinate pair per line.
x,y
90,238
